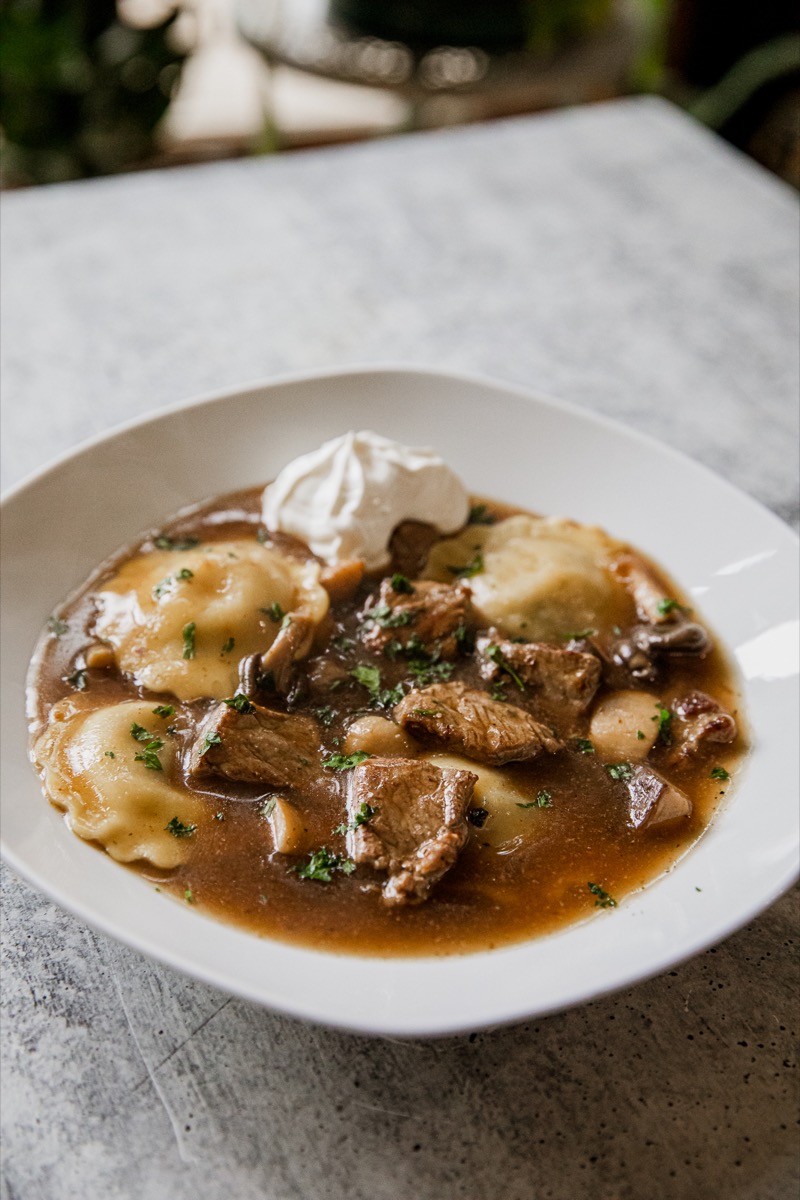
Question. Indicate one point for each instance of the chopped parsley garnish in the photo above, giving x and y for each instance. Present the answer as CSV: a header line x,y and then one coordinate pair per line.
x,y
584,745
640,735
343,643
664,717
603,899
57,626
719,773
211,739
139,733
149,755
322,863
262,535
344,762
387,618
164,710
166,584
465,639
163,542
178,829
424,712
401,585
230,643
620,771
480,515
78,679
219,816
365,813
668,605
543,799
268,807
240,703
500,660
498,691
188,896
577,635
370,678
274,612
188,636
286,620
325,715
474,567
110,754
478,817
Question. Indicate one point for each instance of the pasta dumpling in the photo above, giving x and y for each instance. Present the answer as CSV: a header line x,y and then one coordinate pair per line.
x,y
531,577
87,760
180,621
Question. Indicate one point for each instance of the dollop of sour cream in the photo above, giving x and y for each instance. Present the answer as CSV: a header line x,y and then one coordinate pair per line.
x,y
345,499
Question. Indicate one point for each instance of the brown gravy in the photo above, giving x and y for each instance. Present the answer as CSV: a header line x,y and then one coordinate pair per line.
x,y
493,895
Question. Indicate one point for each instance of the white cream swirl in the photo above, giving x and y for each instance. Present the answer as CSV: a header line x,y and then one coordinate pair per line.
x,y
345,499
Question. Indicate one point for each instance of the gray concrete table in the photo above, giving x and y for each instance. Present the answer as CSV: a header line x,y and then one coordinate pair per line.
x,y
616,256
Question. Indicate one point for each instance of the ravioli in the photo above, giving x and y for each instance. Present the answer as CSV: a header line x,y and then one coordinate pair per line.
x,y
534,577
87,760
180,621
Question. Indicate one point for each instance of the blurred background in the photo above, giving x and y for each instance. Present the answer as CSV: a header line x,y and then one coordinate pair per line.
x,y
94,87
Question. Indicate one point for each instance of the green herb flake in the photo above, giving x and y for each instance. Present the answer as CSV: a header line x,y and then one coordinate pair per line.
x,y
603,899
325,715
139,733
178,829
345,762
640,735
274,612
365,813
78,679
543,799
668,605
577,635
719,773
321,865
163,542
474,567
401,585
286,621
480,515
620,771
149,755
188,896
188,635
664,718
262,535
228,646
241,703
368,677
465,638
110,754
584,746
164,710
478,817
498,691
424,712
426,672
500,660
57,626
219,816
211,739
268,806
387,618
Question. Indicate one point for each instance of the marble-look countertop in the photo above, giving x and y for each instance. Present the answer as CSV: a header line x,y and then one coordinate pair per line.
x,y
617,256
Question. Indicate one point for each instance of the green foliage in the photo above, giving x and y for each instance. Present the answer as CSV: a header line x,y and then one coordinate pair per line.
x,y
80,91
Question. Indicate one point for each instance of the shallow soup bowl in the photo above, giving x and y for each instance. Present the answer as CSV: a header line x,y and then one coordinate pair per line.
x,y
734,557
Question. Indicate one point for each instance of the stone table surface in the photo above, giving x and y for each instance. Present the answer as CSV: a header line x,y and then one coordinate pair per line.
x,y
616,256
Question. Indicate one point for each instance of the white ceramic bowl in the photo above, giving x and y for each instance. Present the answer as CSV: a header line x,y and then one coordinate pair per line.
x,y
738,560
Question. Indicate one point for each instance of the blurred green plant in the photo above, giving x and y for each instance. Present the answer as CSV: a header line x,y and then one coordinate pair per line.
x,y
81,92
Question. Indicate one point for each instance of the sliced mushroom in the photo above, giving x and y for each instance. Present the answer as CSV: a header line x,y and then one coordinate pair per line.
x,y
638,651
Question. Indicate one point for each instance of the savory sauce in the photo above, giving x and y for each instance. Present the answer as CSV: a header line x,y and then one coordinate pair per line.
x,y
566,844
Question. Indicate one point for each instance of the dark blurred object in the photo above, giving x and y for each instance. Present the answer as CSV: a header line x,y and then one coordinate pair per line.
x,y
494,25
80,91
737,68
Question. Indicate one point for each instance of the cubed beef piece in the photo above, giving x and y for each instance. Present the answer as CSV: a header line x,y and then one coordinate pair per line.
x,y
407,817
698,720
256,745
652,800
451,716
430,615
559,684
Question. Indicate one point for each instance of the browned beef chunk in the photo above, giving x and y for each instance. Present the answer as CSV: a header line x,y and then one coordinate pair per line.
x,y
430,614
256,746
407,817
697,720
454,717
559,684
410,545
652,800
